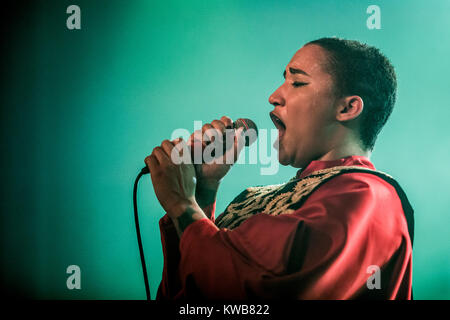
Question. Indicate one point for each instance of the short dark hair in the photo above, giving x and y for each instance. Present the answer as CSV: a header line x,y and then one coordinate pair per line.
x,y
360,69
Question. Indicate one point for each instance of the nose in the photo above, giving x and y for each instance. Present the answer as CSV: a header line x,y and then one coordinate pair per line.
x,y
276,98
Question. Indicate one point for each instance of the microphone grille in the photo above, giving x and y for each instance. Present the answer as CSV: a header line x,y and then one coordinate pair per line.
x,y
247,124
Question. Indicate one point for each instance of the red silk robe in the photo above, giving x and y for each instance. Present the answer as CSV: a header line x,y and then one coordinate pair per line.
x,y
323,250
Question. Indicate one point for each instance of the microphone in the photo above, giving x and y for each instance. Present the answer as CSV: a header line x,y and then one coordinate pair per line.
x,y
246,124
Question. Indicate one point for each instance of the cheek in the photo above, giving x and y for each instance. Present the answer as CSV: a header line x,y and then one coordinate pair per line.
x,y
310,109
303,117
297,110
320,111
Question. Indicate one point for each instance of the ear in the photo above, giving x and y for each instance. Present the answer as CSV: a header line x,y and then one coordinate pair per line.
x,y
349,108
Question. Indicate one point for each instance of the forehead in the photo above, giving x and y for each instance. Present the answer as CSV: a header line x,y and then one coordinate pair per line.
x,y
310,58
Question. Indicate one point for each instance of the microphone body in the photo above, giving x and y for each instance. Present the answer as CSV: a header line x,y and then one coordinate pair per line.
x,y
246,124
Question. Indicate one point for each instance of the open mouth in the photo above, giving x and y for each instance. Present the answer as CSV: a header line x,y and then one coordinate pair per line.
x,y
278,124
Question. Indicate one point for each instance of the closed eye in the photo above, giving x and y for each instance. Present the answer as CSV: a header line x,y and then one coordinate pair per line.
x,y
299,84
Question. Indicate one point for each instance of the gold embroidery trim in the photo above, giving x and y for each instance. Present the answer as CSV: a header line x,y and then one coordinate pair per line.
x,y
268,200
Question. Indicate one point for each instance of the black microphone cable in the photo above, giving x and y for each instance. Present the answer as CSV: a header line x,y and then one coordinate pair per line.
x,y
138,232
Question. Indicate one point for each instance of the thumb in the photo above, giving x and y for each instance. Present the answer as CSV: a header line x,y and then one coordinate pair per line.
x,y
239,142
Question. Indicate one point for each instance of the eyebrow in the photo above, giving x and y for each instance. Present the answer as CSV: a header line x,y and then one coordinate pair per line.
x,y
295,71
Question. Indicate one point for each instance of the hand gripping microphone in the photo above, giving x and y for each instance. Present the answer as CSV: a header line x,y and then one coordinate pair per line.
x,y
246,124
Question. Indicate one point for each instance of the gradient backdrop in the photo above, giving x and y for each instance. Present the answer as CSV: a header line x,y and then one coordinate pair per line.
x,y
80,110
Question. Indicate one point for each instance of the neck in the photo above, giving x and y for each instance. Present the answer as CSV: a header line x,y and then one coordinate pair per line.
x,y
343,151
344,143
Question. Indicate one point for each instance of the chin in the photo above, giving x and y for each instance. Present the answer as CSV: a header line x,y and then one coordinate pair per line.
x,y
283,160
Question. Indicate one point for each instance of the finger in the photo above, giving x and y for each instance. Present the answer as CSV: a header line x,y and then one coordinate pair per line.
x,y
234,146
210,134
196,137
161,156
180,146
176,141
196,145
220,129
206,128
167,146
206,133
227,121
219,126
151,162
239,142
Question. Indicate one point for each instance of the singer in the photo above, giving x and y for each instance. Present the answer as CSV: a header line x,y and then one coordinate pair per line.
x,y
339,229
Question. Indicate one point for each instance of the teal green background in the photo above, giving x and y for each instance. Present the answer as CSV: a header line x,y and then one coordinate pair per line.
x,y
82,108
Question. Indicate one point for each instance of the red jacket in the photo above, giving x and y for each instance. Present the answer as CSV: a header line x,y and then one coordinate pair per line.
x,y
323,250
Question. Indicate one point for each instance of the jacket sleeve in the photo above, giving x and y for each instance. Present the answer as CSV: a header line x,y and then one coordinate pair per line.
x,y
170,286
321,251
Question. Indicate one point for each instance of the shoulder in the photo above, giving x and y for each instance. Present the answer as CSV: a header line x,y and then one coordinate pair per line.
x,y
367,186
356,196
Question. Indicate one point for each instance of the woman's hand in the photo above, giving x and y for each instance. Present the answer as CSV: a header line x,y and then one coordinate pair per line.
x,y
210,173
174,184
